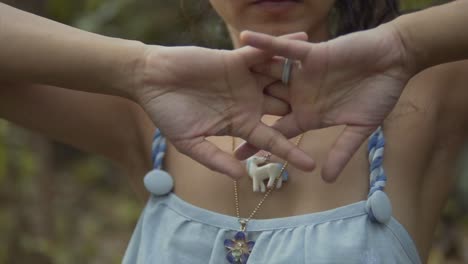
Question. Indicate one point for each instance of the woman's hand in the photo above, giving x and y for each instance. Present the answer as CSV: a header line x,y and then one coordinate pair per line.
x,y
191,93
354,80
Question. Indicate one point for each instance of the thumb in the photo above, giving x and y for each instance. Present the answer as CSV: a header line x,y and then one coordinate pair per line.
x,y
211,156
347,143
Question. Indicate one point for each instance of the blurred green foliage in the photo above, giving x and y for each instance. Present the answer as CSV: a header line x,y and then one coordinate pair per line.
x,y
182,22
63,206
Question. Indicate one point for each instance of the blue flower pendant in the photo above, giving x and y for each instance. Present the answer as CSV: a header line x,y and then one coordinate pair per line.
x,y
239,248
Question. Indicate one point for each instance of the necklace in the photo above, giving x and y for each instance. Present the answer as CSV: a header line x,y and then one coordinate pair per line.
x,y
239,248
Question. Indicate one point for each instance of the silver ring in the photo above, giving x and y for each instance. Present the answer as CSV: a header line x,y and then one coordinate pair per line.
x,y
287,67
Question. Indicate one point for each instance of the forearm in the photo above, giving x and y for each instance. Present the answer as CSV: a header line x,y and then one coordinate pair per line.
x,y
436,35
107,125
37,50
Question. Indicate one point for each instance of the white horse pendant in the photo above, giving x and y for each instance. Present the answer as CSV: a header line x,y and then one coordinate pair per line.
x,y
268,171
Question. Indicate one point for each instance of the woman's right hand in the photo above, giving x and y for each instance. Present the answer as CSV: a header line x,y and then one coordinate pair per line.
x,y
191,93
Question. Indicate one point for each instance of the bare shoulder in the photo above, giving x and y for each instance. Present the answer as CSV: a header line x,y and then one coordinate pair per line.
x,y
441,92
452,84
453,81
453,96
427,127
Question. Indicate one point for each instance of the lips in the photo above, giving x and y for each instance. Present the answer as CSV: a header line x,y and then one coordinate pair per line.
x,y
276,7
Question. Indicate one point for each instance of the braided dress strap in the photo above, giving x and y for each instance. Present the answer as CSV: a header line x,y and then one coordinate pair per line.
x,y
158,181
158,149
378,204
377,179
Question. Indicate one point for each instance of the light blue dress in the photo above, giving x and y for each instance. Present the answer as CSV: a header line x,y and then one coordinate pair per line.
x,y
172,231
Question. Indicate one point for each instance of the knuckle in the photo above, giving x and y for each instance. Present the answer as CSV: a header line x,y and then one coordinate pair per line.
x,y
287,46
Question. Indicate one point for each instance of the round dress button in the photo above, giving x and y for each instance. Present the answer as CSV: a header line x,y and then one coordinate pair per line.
x,y
379,205
158,182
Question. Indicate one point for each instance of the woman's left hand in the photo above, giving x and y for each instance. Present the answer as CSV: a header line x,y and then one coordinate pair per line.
x,y
354,80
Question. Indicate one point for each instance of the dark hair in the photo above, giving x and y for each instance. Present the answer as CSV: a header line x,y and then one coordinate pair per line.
x,y
355,15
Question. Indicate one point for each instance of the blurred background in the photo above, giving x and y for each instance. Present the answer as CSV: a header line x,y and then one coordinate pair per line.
x,y
59,205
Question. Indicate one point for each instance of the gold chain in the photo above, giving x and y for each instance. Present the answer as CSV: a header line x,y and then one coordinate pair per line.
x,y
244,221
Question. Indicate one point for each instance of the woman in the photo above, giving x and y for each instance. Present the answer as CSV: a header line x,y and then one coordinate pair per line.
x,y
423,138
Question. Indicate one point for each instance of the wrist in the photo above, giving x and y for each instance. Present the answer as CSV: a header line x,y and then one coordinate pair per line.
x,y
414,57
151,74
127,71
